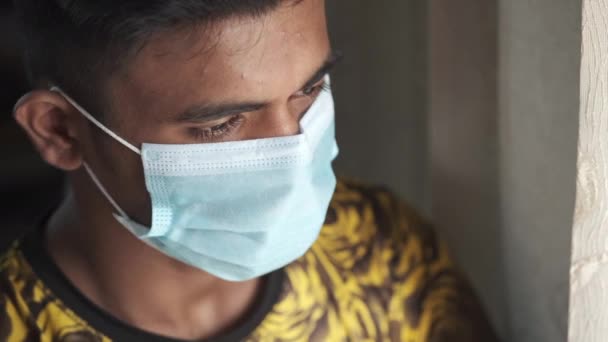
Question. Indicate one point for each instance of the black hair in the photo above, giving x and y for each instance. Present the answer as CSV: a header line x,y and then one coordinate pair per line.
x,y
77,44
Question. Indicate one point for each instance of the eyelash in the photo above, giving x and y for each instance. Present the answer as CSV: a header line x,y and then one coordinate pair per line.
x,y
227,127
315,90
219,131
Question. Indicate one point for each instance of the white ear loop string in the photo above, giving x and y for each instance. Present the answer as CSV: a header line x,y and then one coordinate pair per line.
x,y
93,120
104,191
110,133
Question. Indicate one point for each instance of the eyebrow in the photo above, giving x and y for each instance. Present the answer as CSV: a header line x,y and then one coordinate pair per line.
x,y
213,111
334,58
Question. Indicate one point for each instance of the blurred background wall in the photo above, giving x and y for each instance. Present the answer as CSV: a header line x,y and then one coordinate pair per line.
x,y
503,122
539,77
29,187
381,93
463,142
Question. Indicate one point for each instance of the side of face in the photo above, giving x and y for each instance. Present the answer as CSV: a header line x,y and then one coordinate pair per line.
x,y
237,79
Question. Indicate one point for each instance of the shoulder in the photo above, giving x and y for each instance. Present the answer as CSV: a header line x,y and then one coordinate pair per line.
x,y
16,279
15,272
378,251
28,309
373,217
384,234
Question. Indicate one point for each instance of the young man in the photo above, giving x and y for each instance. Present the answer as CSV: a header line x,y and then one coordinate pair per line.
x,y
198,137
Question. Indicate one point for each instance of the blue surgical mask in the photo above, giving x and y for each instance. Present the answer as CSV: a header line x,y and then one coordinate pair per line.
x,y
241,209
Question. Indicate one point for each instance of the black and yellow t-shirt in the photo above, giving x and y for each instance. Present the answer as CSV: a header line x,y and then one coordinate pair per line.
x,y
376,273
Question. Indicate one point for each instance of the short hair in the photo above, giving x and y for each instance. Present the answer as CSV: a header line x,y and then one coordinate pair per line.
x,y
78,44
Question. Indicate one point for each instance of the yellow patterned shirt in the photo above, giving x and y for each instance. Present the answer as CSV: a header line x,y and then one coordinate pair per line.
x,y
376,273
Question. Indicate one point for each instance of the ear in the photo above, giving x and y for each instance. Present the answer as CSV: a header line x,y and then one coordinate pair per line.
x,y
52,125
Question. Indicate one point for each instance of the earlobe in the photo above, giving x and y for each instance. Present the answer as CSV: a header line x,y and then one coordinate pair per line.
x,y
49,122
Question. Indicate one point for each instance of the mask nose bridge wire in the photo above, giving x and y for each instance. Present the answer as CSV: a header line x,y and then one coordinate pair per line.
x,y
95,121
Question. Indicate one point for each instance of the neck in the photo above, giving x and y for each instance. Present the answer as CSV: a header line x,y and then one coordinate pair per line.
x,y
138,284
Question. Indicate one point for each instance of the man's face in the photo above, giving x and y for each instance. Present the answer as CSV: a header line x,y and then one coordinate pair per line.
x,y
242,78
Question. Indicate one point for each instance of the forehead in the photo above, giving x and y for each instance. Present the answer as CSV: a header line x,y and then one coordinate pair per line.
x,y
241,58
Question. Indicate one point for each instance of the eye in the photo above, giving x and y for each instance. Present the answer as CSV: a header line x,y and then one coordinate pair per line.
x,y
314,90
219,131
310,91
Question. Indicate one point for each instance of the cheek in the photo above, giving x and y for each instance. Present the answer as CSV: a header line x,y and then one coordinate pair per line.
x,y
134,192
120,171
298,106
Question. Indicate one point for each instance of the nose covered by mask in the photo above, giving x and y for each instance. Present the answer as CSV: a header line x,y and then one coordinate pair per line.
x,y
241,209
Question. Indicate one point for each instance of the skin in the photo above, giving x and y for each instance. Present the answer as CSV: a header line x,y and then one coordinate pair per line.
x,y
264,60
